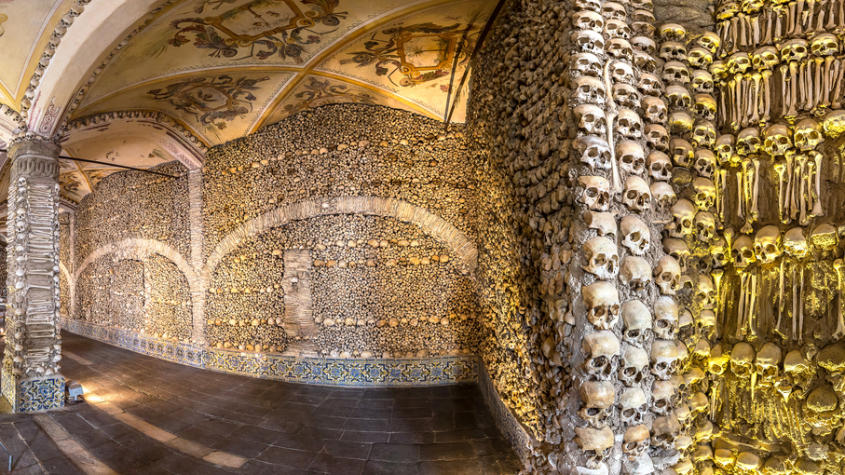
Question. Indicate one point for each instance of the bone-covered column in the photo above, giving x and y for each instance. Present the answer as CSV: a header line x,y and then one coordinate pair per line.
x,y
31,380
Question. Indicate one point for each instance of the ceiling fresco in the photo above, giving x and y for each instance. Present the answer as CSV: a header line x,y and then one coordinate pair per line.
x,y
25,28
221,69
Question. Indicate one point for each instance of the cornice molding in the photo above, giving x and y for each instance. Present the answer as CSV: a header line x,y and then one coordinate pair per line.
x,y
154,116
49,50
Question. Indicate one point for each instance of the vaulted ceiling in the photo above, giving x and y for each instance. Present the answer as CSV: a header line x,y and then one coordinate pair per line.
x,y
184,75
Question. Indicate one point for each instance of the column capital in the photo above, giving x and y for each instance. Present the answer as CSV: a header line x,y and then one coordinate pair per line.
x,y
33,144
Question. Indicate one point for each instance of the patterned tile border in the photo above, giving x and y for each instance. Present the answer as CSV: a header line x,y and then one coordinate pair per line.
x,y
325,371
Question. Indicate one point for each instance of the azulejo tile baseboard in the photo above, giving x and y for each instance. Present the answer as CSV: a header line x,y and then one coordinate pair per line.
x,y
308,370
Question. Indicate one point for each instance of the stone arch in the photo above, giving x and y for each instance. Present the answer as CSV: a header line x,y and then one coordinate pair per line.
x,y
433,225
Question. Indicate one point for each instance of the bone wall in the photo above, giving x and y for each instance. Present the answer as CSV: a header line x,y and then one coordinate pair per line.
x,y
346,232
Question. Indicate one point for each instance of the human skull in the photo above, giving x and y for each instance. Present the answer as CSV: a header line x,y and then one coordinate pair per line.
x,y
824,239
679,97
705,193
631,157
743,252
725,148
629,125
679,250
588,20
620,48
676,72
800,370
602,350
621,72
636,237
633,366
776,465
602,302
637,320
767,364
824,44
665,358
617,29
588,41
820,410
602,222
637,196
626,95
702,82
635,273
597,399
665,430
650,85
585,64
767,244
596,192
643,27
777,140
705,291
719,69
589,90
793,50
705,107
664,397
706,322
635,442
659,166
683,214
742,360
699,58
680,123
591,120
710,41
699,403
633,406
719,252
795,244
667,275
644,62
682,152
602,258
663,195
644,44
833,123
596,443
665,317
704,134
654,109
807,135
593,5
614,11
672,51
748,141
705,162
739,63
657,137
764,58
672,32
593,151
718,362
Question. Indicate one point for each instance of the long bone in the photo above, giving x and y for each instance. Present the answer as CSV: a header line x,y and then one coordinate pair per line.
x,y
788,194
752,332
826,71
795,302
798,167
767,95
793,87
805,73
754,99
801,308
823,4
809,16
717,282
720,193
755,212
743,288
611,116
780,297
780,170
748,182
785,89
817,198
740,210
839,265
836,101
818,76
767,31
791,19
804,192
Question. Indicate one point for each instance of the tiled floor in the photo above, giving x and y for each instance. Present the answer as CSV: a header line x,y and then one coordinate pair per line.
x,y
263,426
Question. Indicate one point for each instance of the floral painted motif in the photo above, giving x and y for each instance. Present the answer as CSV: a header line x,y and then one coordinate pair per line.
x,y
416,53
213,101
318,93
259,28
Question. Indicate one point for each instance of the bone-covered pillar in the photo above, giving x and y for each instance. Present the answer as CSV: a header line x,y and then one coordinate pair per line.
x,y
30,380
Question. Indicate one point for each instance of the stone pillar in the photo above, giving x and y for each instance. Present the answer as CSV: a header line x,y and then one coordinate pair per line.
x,y
197,288
31,380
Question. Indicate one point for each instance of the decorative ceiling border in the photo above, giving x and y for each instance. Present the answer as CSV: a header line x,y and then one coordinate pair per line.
x,y
155,116
140,26
11,115
55,38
